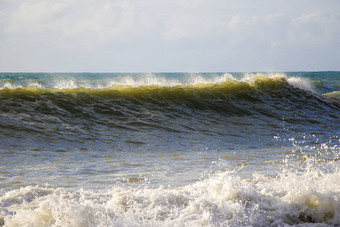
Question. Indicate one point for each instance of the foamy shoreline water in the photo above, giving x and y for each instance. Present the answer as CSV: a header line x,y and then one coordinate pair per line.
x,y
222,199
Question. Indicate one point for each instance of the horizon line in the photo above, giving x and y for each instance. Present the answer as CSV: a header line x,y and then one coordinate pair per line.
x,y
159,72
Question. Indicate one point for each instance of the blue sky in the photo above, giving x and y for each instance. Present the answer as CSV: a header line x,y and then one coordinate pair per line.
x,y
169,36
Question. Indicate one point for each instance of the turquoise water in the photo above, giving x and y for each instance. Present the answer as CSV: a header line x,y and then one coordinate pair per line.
x,y
170,149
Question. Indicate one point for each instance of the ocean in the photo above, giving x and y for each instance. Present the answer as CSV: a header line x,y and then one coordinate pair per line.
x,y
170,149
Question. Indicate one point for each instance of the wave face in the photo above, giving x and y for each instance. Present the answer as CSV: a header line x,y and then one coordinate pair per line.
x,y
169,149
78,109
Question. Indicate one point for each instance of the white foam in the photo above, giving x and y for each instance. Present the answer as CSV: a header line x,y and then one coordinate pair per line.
x,y
145,80
223,199
14,85
9,85
149,79
252,77
35,85
199,79
301,83
65,84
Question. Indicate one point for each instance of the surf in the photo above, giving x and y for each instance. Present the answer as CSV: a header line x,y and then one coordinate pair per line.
x,y
170,149
304,190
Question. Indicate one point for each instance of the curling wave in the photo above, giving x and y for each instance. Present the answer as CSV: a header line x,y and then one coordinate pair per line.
x,y
79,109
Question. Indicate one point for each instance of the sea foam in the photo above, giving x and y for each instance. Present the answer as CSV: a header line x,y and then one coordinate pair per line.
x,y
149,79
294,196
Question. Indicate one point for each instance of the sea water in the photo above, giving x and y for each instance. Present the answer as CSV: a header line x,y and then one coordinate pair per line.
x,y
170,149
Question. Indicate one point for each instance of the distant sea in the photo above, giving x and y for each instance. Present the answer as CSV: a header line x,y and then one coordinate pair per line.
x,y
170,149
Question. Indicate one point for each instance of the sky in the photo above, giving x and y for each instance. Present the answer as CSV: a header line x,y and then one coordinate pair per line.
x,y
169,35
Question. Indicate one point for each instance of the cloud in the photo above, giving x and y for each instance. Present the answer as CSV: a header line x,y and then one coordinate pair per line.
x,y
97,21
307,18
31,17
190,32
315,29
234,23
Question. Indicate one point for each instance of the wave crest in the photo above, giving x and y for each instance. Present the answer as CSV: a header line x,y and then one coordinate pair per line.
x,y
145,80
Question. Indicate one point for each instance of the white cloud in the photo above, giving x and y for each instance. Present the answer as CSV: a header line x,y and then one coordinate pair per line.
x,y
317,29
184,32
178,28
28,18
97,20
274,18
235,23
307,18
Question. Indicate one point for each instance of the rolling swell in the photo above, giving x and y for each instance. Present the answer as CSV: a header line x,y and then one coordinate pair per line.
x,y
263,106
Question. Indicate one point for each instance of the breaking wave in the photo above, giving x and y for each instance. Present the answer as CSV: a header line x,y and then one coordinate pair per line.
x,y
305,191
